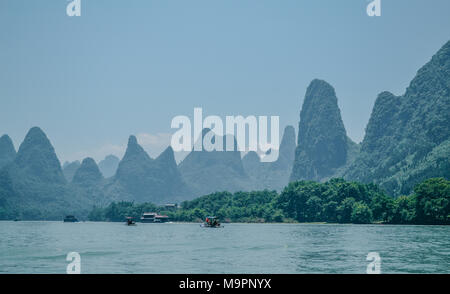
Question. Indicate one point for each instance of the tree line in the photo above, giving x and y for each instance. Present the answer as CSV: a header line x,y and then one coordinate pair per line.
x,y
334,201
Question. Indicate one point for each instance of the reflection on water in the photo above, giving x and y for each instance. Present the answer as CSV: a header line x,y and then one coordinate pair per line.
x,y
41,247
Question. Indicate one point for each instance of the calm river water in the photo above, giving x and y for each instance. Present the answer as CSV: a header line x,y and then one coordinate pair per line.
x,y
42,247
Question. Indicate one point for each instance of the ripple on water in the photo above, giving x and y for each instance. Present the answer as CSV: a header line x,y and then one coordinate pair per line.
x,y
42,247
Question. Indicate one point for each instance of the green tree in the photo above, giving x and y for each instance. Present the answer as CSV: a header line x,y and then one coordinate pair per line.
x,y
345,210
404,210
361,213
433,201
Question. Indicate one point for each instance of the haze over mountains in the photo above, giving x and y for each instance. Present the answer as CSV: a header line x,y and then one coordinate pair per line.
x,y
109,165
142,178
70,168
33,184
7,151
88,174
406,141
272,175
213,171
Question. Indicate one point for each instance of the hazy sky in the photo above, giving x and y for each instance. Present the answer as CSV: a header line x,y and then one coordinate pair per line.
x,y
128,67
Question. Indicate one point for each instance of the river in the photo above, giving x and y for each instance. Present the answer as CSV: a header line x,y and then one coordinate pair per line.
x,y
42,247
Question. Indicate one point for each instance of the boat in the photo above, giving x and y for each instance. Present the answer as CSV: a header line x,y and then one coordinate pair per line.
x,y
148,217
70,219
130,221
153,217
161,218
211,222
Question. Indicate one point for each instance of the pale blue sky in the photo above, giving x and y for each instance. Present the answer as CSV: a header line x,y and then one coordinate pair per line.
x,y
128,67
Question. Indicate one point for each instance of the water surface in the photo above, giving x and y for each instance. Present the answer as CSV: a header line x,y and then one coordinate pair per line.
x,y
42,247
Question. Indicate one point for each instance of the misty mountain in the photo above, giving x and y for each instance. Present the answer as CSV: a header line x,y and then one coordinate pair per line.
x,y
88,184
33,185
407,138
210,171
143,179
251,162
69,169
88,174
287,150
7,151
36,159
109,165
272,175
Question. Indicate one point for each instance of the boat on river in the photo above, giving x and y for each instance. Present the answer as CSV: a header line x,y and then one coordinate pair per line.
x,y
153,217
211,222
130,221
70,219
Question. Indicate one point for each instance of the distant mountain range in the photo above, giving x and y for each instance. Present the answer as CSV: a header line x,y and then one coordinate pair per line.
x,y
272,175
406,141
70,168
109,165
213,171
142,178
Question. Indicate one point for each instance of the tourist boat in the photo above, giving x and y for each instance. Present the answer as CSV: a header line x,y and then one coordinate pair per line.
x,y
161,218
211,222
130,221
153,217
70,219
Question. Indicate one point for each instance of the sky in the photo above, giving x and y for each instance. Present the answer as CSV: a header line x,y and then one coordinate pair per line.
x,y
129,67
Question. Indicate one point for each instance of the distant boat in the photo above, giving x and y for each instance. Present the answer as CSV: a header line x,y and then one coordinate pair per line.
x,y
161,219
70,219
211,222
130,221
153,217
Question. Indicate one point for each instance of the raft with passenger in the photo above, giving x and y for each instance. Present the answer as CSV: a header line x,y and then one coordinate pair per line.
x,y
211,222
130,221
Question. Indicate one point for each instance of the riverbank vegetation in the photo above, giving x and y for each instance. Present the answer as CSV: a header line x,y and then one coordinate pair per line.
x,y
335,201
